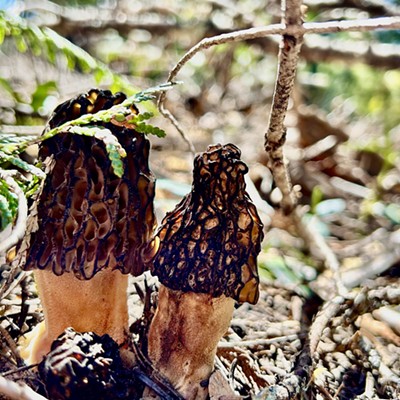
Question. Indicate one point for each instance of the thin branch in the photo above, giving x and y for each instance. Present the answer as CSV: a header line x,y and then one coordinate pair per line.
x,y
18,230
167,114
387,23
17,391
322,320
12,346
327,49
358,25
320,249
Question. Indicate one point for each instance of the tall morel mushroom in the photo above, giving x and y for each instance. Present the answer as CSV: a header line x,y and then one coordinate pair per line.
x,y
204,255
91,225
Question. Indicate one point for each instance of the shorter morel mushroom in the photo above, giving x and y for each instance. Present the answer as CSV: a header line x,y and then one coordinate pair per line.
x,y
89,225
204,255
82,366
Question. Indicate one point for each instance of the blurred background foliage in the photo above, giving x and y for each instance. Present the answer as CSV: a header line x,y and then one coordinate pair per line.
x,y
343,123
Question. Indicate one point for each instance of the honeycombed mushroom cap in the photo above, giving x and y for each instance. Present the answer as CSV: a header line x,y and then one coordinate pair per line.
x,y
210,242
88,218
83,366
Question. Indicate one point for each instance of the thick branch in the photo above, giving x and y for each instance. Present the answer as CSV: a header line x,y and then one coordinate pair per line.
x,y
275,135
276,132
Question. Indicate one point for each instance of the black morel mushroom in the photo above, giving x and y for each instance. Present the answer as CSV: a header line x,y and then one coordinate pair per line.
x,y
204,255
82,366
91,224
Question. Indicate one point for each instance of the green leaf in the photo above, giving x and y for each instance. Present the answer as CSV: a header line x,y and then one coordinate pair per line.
x,y
34,42
144,116
51,50
5,212
119,117
150,129
41,93
32,188
316,197
10,143
20,42
277,266
18,162
115,158
2,30
71,60
8,204
6,85
99,74
392,211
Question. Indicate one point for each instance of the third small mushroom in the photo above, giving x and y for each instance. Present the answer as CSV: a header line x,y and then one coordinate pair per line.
x,y
204,254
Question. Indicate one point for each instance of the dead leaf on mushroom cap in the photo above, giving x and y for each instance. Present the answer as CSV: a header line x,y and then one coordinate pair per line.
x,y
88,217
210,242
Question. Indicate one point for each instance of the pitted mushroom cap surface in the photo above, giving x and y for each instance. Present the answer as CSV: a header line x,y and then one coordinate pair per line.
x,y
83,366
88,218
210,242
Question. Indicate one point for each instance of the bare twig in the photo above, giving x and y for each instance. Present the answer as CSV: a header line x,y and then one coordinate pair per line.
x,y
319,248
355,276
322,320
18,230
369,392
12,346
18,391
18,370
282,29
12,281
167,114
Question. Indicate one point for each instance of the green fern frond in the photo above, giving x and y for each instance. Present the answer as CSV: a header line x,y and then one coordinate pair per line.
x,y
13,144
25,166
119,111
114,149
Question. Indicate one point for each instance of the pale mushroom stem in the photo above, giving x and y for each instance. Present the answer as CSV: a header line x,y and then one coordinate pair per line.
x,y
98,305
183,338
